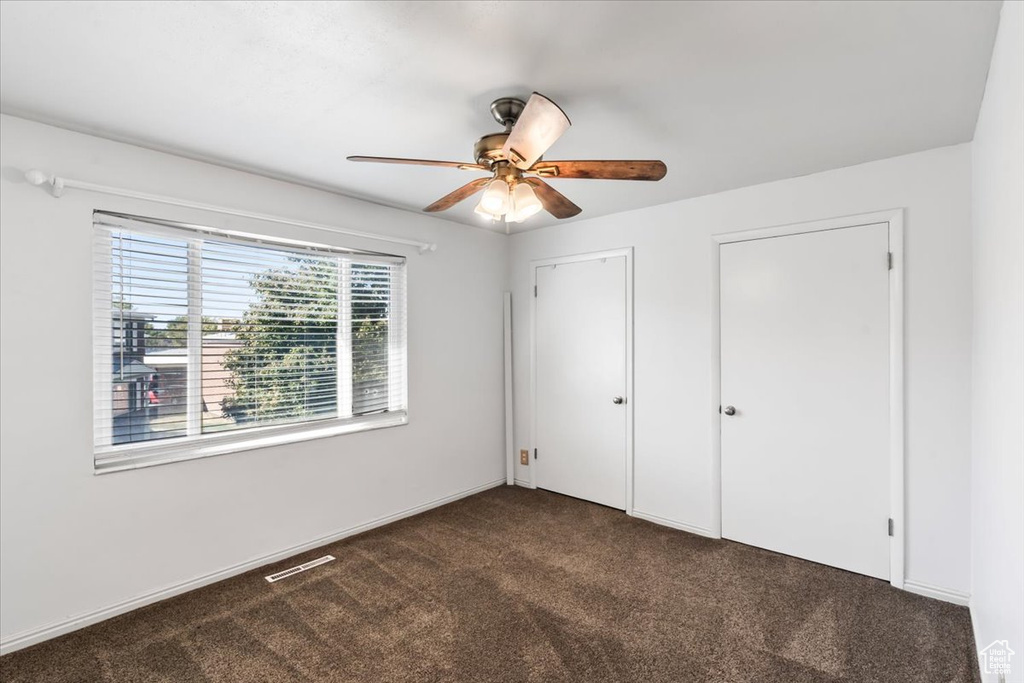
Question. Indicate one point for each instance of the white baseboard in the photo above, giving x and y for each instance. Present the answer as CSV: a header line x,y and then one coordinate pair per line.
x,y
524,483
937,592
24,639
682,526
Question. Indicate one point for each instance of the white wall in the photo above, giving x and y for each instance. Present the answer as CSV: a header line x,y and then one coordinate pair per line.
x,y
673,336
74,543
997,553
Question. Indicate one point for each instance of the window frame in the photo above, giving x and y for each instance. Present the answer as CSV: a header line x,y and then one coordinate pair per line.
x,y
195,444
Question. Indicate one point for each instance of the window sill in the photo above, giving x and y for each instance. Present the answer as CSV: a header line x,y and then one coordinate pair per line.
x,y
120,458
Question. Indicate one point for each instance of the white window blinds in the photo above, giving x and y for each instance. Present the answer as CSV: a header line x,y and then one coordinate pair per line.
x,y
204,339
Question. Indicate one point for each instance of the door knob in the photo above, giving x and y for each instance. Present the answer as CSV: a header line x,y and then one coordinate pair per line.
x,y
729,410
618,400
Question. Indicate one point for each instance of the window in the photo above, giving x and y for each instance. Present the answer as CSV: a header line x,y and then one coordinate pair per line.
x,y
208,342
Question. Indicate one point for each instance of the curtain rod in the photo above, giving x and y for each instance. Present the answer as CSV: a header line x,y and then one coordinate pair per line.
x,y
57,185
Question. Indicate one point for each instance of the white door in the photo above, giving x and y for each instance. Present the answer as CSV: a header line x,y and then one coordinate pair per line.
x,y
580,380
805,367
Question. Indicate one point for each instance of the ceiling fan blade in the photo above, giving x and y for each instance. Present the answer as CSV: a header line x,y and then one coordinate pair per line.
x,y
601,170
420,162
541,123
453,198
555,203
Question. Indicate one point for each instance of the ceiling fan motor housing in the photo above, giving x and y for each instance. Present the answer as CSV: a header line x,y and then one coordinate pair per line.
x,y
487,149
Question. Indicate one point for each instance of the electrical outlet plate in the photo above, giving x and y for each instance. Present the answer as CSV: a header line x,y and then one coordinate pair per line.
x,y
524,457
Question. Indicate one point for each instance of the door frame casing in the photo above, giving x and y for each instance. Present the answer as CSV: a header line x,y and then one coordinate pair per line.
x,y
535,264
894,219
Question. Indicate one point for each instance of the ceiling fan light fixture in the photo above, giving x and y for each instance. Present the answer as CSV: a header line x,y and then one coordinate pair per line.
x,y
495,199
525,202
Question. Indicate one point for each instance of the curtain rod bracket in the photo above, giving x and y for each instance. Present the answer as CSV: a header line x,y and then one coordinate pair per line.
x,y
56,185
37,177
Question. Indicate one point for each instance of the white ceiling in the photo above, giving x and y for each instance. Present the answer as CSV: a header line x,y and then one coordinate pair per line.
x,y
728,94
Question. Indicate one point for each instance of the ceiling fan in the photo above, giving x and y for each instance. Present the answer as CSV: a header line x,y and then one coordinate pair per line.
x,y
515,188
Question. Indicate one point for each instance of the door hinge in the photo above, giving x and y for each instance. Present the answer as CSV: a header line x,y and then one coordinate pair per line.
x,y
891,532
890,260
535,291
534,453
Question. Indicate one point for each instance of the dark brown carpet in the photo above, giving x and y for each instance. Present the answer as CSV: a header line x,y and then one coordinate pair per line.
x,y
517,585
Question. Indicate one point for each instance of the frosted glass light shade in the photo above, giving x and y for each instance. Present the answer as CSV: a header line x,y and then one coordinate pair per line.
x,y
480,211
541,123
526,202
495,199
